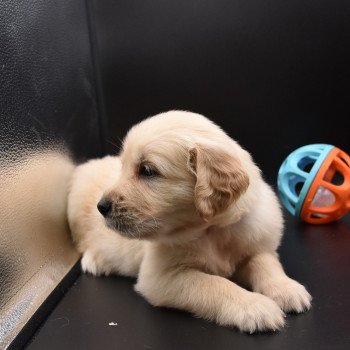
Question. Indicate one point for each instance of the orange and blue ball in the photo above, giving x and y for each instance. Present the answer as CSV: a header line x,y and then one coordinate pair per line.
x,y
314,183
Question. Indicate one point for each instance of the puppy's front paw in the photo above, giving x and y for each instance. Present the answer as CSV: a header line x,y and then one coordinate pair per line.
x,y
290,295
256,313
90,264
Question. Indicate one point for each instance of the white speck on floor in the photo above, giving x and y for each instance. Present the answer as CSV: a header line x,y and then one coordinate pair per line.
x,y
112,324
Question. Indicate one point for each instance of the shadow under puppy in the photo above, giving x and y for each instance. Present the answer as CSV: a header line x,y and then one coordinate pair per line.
x,y
184,208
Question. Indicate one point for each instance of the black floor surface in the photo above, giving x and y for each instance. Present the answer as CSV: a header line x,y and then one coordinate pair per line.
x,y
318,256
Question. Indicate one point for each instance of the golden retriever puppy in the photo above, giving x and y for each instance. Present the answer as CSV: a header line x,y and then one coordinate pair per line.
x,y
186,211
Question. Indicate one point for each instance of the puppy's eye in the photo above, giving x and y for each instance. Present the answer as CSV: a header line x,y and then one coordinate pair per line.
x,y
145,170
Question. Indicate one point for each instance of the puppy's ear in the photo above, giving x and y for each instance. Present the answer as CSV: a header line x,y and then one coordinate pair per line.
x,y
220,179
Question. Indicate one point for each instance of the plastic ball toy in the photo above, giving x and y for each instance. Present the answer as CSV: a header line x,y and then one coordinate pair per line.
x,y
314,183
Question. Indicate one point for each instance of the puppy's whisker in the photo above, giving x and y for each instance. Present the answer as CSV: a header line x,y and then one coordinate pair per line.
x,y
118,147
138,231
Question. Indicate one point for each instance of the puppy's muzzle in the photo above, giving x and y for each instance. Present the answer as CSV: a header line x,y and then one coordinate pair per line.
x,y
104,206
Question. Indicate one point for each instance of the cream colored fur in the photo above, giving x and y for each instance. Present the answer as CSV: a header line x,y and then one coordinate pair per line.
x,y
205,220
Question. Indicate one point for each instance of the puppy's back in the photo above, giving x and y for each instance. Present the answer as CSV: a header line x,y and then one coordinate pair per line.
x,y
88,183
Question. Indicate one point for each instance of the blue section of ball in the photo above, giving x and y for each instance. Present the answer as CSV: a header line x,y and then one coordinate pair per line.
x,y
297,174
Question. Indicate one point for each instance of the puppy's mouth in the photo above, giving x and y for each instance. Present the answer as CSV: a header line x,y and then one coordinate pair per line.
x,y
140,229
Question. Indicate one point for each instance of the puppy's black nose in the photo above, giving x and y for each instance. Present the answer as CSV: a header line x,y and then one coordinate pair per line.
x,y
104,206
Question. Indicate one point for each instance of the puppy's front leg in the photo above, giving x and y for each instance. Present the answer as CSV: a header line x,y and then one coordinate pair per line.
x,y
264,274
210,297
106,253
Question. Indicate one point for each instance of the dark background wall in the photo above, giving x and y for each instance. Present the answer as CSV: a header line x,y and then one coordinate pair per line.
x,y
48,112
274,74
47,90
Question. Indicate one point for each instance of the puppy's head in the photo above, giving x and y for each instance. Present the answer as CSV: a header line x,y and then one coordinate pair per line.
x,y
177,175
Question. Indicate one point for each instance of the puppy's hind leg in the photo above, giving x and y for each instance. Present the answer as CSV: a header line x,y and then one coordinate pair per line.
x,y
208,296
264,274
